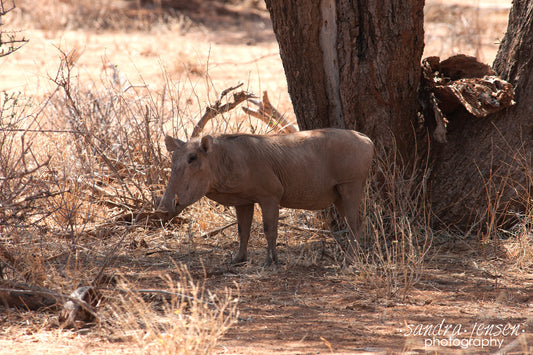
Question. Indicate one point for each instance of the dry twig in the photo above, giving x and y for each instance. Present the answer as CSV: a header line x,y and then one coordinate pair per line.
x,y
268,114
32,297
265,111
9,39
79,308
218,108
217,230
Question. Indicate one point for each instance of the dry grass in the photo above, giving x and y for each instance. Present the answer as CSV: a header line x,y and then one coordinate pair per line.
x,y
81,155
72,166
397,227
100,15
183,319
474,28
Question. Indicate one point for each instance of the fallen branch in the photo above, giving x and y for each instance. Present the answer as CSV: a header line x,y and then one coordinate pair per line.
x,y
34,298
79,308
439,134
218,108
155,217
313,230
22,296
217,230
461,81
268,114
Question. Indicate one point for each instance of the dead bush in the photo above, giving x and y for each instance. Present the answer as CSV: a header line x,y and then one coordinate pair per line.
x,y
183,319
397,227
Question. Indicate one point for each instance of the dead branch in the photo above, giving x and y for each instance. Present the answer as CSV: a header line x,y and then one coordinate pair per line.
x,y
313,230
439,134
217,108
268,114
265,111
4,10
17,182
34,298
462,81
27,297
12,43
80,307
217,230
63,80
152,217
25,130
9,39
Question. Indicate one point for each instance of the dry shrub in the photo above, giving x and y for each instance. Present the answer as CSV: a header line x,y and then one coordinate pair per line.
x,y
183,319
506,228
114,154
76,164
397,227
115,158
96,15
454,28
10,41
22,193
70,164
399,231
520,245
100,150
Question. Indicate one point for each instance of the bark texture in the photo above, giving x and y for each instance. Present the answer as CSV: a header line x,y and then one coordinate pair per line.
x,y
356,64
483,174
353,64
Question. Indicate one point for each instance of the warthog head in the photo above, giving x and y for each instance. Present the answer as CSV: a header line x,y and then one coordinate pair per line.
x,y
190,175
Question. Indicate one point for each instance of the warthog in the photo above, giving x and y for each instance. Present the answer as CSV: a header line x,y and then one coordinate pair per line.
x,y
306,170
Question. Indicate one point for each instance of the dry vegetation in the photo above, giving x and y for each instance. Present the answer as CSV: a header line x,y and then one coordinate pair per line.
x,y
83,111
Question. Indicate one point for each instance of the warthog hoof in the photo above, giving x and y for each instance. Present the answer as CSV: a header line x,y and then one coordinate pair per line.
x,y
239,260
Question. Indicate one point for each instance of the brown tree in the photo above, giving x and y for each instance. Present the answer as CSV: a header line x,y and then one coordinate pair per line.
x,y
483,174
353,64
356,64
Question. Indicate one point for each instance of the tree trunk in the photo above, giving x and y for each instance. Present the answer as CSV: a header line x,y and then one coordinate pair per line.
x,y
356,64
353,64
483,175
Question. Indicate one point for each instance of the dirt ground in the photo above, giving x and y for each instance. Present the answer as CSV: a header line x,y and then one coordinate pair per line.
x,y
313,309
466,300
308,304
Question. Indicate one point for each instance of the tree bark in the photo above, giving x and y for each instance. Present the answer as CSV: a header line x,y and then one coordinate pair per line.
x,y
356,64
483,175
353,64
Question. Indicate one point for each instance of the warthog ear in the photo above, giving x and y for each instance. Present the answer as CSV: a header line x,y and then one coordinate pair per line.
x,y
173,143
207,143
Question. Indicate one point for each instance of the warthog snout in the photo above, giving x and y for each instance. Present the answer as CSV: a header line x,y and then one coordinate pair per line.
x,y
167,205
189,177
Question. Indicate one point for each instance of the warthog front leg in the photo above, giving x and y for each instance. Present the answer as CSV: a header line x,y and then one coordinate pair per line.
x,y
245,214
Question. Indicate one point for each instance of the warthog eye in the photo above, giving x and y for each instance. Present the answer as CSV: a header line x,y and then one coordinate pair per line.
x,y
192,158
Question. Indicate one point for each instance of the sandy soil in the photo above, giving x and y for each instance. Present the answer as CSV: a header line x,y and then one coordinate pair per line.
x,y
308,305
